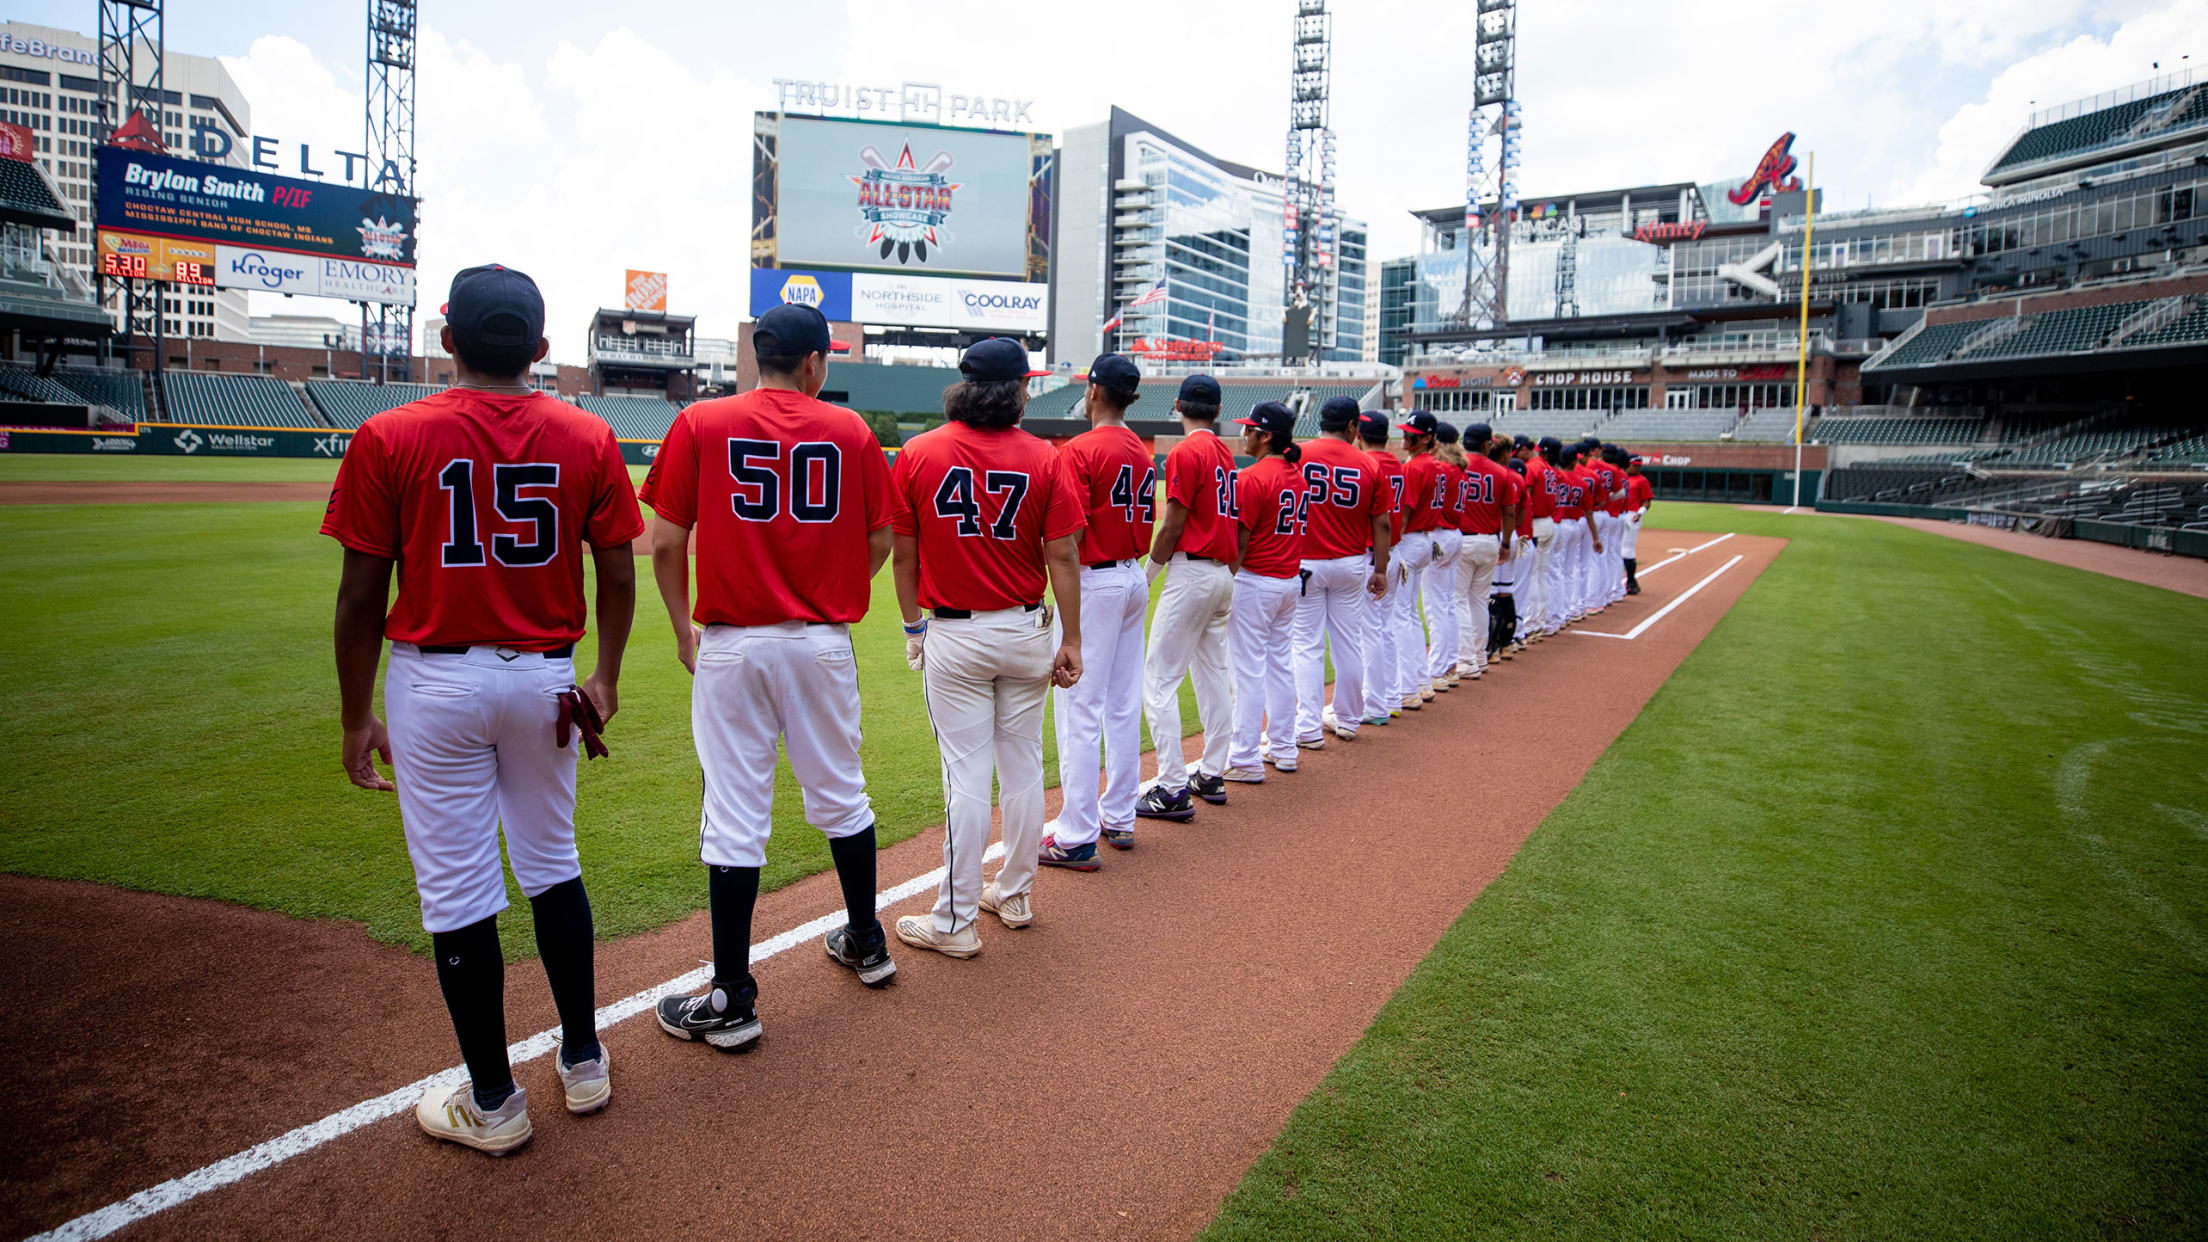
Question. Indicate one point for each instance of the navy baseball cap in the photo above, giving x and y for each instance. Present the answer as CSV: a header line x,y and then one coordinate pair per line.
x,y
1116,372
1522,440
1445,433
1339,413
1373,425
1273,418
494,306
790,330
1479,433
1201,389
998,358
1550,444
1420,423
1517,465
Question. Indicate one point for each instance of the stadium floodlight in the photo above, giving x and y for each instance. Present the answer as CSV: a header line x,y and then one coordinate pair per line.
x,y
390,145
1308,243
131,83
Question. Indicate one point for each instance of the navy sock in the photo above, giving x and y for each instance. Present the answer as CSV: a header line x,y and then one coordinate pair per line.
x,y
855,857
567,947
472,974
732,892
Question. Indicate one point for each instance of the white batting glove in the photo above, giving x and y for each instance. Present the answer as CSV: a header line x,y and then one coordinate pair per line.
x,y
1152,569
916,637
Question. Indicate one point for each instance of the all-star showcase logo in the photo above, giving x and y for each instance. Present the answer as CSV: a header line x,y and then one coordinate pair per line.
x,y
904,205
381,239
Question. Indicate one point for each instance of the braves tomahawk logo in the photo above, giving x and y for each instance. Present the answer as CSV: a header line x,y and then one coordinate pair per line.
x,y
1775,172
904,206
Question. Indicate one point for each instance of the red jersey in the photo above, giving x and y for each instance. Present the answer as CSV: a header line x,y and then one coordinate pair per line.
x,y
1200,474
783,491
1638,492
982,502
1452,493
1344,491
1269,500
1425,492
1570,489
1118,481
1486,488
1611,481
1540,487
1525,503
1392,481
485,500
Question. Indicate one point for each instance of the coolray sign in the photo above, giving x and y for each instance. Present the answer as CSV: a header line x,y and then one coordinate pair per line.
x,y
907,101
1654,231
923,301
1774,174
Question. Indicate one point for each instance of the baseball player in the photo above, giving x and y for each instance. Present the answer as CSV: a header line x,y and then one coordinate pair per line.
x,y
1506,635
1424,496
1441,575
1488,497
1594,465
790,500
1613,524
986,515
1195,548
1592,551
1116,481
1345,561
1271,502
482,496
1387,661
1540,585
1640,496
1565,604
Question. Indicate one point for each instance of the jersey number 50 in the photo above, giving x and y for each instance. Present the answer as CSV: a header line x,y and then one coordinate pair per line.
x,y
816,480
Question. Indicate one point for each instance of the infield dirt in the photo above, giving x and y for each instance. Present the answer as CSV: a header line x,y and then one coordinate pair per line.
x,y
1108,1073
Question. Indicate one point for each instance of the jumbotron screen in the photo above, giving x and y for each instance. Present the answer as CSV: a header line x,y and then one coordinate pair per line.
x,y
920,200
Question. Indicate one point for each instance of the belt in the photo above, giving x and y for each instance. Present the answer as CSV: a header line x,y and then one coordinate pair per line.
x,y
1101,565
967,614
556,653
1209,560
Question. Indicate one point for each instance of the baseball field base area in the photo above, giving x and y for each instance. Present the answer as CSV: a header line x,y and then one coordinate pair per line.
x,y
1851,882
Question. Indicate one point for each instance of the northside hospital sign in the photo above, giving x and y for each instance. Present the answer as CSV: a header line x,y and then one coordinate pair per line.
x,y
907,101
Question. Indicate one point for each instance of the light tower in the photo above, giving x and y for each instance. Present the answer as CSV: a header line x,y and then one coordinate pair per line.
x,y
1308,242
389,168
130,82
1491,184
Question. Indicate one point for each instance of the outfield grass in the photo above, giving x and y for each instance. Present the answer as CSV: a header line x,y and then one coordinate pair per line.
x,y
172,727
158,468
1886,919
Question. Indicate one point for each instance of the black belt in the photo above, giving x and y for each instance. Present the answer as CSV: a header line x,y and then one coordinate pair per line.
x,y
1106,564
967,614
1209,560
557,653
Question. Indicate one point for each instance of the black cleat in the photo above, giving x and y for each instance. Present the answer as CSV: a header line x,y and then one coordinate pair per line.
x,y
867,956
1212,789
1158,804
734,1029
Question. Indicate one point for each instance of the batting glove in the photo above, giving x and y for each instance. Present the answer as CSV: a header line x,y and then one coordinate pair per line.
x,y
916,637
1152,569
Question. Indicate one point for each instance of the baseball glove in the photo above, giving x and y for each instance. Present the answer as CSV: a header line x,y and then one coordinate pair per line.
x,y
579,714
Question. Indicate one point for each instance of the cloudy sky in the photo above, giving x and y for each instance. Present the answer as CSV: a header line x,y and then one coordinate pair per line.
x,y
575,139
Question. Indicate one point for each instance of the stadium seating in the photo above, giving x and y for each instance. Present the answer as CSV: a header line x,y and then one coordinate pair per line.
x,y
2058,332
349,403
633,418
1835,429
1774,426
1563,424
2190,328
2193,450
1694,424
233,400
125,391
2079,133
1931,344
24,384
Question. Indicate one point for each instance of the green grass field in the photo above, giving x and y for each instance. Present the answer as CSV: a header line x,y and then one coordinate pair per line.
x,y
1886,919
173,726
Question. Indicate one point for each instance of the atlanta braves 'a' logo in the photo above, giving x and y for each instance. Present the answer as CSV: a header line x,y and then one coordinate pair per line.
x,y
904,207
1774,172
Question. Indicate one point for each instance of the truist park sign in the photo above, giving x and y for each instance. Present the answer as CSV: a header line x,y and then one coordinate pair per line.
x,y
907,101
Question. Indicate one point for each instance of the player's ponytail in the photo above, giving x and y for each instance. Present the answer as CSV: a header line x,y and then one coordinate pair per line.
x,y
1292,454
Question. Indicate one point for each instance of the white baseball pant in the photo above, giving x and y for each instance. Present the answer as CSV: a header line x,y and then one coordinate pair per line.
x,y
1613,544
1630,540
1408,678
1572,543
985,677
473,751
1465,621
1382,658
1260,635
1534,583
1332,607
1104,708
1188,637
1441,606
755,684
1476,566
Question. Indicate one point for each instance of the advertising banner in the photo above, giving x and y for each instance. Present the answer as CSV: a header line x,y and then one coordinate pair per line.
x,y
906,198
190,200
937,302
156,258
828,292
364,280
267,271
644,291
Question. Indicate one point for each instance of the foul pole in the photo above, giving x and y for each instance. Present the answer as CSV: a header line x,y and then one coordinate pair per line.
x,y
1801,357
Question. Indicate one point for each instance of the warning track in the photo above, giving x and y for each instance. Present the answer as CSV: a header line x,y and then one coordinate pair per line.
x,y
1108,1073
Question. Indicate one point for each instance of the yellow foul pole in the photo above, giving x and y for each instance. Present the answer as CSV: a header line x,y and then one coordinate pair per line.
x,y
1801,358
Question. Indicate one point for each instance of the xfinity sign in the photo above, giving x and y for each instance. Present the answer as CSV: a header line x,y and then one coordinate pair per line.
x,y
907,101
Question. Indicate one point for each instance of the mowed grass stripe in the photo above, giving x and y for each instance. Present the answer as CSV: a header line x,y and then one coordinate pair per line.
x,y
1882,921
172,727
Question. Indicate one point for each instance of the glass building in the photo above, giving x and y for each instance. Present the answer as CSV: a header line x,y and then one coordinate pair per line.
x,y
1140,210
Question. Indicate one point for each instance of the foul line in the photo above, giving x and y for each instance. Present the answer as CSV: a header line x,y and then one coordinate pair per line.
x,y
1665,611
101,1222
1680,556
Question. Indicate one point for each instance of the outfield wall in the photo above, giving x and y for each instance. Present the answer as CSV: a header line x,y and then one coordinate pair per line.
x,y
211,440
2192,543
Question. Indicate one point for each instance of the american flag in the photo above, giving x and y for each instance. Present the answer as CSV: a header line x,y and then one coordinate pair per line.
x,y
1155,293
